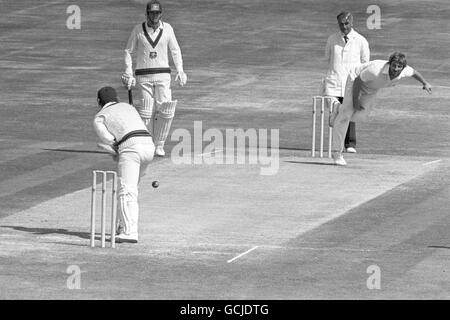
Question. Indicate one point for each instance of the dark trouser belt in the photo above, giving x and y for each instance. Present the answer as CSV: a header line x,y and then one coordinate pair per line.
x,y
136,133
141,72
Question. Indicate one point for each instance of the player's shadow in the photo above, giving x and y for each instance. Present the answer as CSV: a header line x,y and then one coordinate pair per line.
x,y
439,247
294,149
77,151
312,162
44,231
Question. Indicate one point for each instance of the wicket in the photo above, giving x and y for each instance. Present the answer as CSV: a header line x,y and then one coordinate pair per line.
x,y
322,100
103,175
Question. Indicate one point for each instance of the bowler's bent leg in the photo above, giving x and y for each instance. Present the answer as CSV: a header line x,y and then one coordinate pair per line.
x,y
341,125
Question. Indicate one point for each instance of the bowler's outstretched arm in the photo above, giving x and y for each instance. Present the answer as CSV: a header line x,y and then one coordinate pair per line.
x,y
421,79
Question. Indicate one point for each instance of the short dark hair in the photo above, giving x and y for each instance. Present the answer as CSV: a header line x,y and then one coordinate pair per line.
x,y
398,57
105,95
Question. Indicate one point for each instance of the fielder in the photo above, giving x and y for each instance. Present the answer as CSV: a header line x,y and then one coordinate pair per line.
x,y
123,133
151,40
362,85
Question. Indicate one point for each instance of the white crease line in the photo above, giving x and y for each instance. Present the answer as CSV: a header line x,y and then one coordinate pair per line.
x,y
329,249
215,151
16,51
224,244
199,108
210,252
80,68
432,162
238,256
35,7
280,247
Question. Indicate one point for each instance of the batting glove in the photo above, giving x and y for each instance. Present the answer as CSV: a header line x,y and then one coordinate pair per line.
x,y
128,80
181,78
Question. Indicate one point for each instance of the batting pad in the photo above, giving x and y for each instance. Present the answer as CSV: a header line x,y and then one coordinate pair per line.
x,y
163,120
146,109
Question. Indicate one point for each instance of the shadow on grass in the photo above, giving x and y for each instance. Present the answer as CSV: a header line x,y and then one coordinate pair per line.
x,y
77,151
439,247
294,149
312,162
43,231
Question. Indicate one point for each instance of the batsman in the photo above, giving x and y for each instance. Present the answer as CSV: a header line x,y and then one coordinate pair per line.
x,y
152,40
124,135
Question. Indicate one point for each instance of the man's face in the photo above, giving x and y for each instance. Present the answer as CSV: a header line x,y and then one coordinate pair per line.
x,y
395,68
345,24
153,17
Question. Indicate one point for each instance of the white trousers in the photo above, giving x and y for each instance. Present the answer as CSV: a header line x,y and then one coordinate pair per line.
x,y
153,88
132,166
347,112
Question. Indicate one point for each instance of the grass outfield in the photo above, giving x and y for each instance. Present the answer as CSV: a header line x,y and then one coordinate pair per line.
x,y
312,229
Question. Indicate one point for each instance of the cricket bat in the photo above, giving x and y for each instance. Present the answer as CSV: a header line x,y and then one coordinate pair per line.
x,y
130,97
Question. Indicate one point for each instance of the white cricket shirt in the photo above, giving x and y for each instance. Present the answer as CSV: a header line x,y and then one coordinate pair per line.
x,y
375,75
152,48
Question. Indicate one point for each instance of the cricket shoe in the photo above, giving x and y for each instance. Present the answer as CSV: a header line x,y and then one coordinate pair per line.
x,y
127,238
350,150
339,159
159,151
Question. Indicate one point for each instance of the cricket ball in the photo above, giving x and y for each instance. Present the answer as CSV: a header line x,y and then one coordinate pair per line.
x,y
155,184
